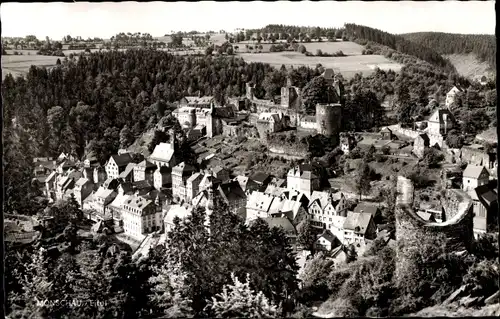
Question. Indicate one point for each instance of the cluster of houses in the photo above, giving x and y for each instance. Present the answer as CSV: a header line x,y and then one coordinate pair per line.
x,y
140,197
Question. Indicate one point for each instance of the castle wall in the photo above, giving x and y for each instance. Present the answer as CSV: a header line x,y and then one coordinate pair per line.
x,y
411,229
292,150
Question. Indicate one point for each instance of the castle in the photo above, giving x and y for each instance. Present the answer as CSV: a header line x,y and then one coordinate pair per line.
x,y
287,111
200,117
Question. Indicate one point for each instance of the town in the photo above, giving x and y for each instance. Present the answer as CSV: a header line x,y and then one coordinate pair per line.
x,y
137,198
144,182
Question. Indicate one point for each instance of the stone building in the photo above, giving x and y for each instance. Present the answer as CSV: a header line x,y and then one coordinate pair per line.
x,y
451,96
420,144
474,176
117,164
140,217
328,211
302,178
144,171
164,153
180,175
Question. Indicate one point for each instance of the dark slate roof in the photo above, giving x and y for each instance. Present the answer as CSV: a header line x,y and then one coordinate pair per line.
x,y
366,208
232,190
122,160
486,195
259,177
328,236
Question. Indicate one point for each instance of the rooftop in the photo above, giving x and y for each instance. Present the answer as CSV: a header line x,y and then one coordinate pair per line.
x,y
474,171
122,159
357,222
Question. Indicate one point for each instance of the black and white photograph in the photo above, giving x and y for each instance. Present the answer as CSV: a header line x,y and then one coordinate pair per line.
x,y
249,159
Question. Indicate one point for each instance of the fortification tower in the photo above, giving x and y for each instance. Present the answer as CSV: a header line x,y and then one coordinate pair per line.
x,y
288,93
191,118
328,119
339,90
250,90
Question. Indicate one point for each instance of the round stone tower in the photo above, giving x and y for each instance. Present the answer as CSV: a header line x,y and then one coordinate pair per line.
x,y
328,118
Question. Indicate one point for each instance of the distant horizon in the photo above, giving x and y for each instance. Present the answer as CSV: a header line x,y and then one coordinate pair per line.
x,y
106,19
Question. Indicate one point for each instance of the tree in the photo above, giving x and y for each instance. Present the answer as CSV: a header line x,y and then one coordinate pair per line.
x,y
317,91
240,301
126,137
432,157
168,291
301,49
362,179
209,50
307,235
454,139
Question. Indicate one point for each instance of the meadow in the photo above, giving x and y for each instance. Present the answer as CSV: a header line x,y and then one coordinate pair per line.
x,y
348,65
20,64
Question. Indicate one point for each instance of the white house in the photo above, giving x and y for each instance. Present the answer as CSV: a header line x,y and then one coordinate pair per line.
x,y
474,176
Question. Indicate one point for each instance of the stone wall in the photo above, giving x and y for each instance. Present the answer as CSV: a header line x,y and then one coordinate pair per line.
x,y
397,129
292,150
411,229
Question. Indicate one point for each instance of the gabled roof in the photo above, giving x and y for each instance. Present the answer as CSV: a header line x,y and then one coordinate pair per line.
x,y
439,114
194,177
386,130
259,201
119,200
328,236
103,193
128,170
259,177
486,195
323,198
81,182
303,170
244,182
274,190
162,152
474,171
357,222
122,160
366,208
232,191
183,169
199,100
281,222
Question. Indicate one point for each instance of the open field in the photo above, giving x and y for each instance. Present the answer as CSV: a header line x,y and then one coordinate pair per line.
x,y
20,64
468,65
349,48
348,66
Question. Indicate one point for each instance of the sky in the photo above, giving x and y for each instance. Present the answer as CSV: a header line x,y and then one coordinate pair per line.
x,y
106,19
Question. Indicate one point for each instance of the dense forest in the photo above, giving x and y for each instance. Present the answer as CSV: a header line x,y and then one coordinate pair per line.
x,y
482,45
398,43
295,32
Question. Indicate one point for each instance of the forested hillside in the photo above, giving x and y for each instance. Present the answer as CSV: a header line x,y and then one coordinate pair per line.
x,y
482,45
396,42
